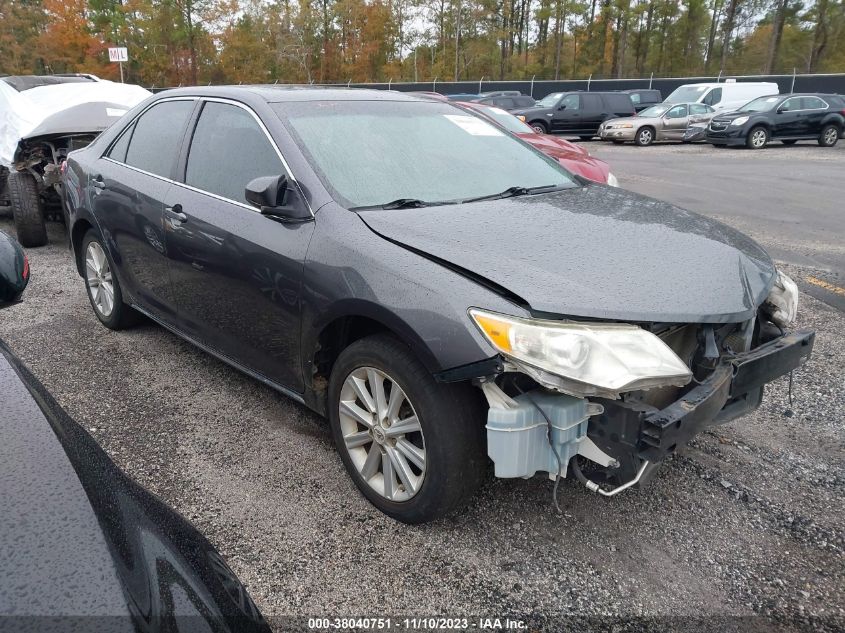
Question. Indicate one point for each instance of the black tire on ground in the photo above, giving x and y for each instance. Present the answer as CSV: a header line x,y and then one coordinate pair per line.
x,y
645,136
27,209
451,416
122,316
586,137
539,126
752,141
789,141
829,136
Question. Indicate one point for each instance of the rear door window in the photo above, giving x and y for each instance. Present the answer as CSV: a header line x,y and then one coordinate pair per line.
x,y
157,137
812,103
619,103
591,103
228,150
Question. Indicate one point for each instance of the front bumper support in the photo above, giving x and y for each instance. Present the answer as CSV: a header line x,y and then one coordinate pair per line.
x,y
733,380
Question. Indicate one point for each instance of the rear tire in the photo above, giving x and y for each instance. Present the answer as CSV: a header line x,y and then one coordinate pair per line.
x,y
27,209
757,138
645,136
829,136
103,287
539,126
449,435
588,137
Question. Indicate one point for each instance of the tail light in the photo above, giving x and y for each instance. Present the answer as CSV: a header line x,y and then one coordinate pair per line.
x,y
63,168
25,273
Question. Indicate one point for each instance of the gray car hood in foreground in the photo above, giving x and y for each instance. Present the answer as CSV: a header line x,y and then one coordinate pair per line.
x,y
594,251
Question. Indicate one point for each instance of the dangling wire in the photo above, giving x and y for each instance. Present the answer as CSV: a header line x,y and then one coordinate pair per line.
x,y
554,450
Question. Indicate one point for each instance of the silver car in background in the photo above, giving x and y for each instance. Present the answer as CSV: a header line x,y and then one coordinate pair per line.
x,y
662,122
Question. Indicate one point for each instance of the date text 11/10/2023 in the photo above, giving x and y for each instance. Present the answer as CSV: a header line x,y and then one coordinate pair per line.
x,y
417,624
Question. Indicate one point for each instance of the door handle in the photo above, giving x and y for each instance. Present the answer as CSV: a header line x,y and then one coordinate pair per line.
x,y
97,182
175,213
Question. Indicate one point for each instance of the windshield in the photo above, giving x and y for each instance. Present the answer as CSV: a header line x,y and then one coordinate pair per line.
x,y
655,111
506,120
760,104
550,101
686,94
372,153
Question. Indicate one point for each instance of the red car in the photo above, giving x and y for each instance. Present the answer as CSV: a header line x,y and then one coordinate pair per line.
x,y
574,157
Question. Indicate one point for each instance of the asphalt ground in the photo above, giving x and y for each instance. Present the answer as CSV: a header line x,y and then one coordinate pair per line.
x,y
743,530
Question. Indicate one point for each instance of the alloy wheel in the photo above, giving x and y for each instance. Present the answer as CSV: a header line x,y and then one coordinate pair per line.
x,y
382,434
830,136
758,138
98,278
645,136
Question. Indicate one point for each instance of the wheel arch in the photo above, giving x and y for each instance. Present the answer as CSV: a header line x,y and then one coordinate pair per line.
x,y
348,322
836,119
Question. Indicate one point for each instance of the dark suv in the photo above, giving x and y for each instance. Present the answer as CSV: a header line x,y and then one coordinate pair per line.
x,y
576,113
643,98
786,118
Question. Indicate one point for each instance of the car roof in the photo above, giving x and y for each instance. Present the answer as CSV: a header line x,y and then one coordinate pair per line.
x,y
25,82
288,93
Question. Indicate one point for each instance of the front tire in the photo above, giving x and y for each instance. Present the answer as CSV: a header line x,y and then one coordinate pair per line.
x,y
103,287
645,136
414,447
757,138
27,209
539,127
829,136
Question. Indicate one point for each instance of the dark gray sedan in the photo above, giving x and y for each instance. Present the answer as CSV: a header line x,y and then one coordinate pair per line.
x,y
437,288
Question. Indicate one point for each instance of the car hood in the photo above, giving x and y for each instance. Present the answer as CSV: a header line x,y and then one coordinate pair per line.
x,y
577,161
530,111
730,116
594,252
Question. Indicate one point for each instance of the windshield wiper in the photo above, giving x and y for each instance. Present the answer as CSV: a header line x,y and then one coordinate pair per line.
x,y
399,203
512,192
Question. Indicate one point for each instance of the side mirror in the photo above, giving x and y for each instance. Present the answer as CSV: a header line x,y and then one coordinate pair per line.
x,y
562,107
14,270
273,196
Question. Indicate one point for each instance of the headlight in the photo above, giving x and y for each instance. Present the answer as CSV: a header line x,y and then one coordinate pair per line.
x,y
611,180
740,120
521,117
593,359
782,303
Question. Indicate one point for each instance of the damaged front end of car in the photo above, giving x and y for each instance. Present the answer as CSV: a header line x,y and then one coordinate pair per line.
x,y
610,401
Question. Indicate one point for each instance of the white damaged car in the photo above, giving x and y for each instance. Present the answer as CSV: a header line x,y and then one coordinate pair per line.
x,y
41,120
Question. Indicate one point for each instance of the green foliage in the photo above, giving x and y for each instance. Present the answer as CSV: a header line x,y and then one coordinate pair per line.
x,y
179,42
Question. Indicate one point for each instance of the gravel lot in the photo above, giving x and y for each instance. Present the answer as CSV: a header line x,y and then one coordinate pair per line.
x,y
745,530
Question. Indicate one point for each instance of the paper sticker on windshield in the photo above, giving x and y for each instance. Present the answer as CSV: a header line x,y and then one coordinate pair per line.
x,y
115,112
473,125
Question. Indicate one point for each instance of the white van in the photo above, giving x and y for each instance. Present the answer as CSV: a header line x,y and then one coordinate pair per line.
x,y
723,97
